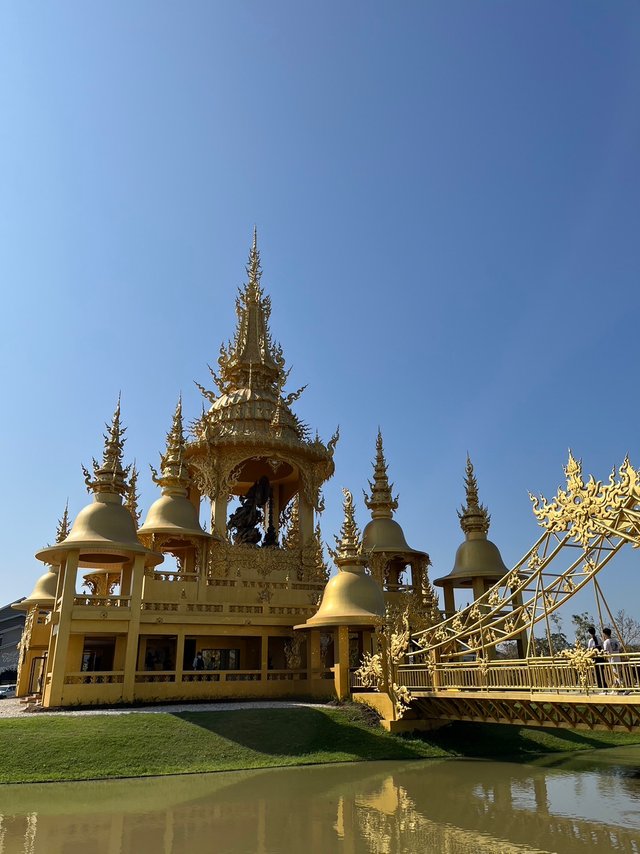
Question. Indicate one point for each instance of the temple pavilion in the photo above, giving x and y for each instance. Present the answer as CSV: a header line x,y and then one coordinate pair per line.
x,y
165,608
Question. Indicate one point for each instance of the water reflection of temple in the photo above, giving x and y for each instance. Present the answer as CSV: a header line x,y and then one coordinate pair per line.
x,y
449,807
201,599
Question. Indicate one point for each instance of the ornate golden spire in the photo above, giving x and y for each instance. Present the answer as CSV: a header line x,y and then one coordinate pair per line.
x,y
348,544
320,564
381,503
291,538
474,518
277,422
174,476
62,531
133,496
110,476
251,359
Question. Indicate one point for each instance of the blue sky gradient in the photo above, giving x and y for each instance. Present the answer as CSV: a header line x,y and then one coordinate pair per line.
x,y
447,203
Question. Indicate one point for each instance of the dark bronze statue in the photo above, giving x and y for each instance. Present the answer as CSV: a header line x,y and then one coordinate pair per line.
x,y
248,516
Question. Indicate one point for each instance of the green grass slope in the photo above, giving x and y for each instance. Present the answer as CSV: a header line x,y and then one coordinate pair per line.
x,y
40,748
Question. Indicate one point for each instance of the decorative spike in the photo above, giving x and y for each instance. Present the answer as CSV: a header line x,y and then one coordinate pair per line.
x,y
62,531
133,496
277,421
251,358
333,441
381,502
349,545
320,565
474,518
254,271
291,539
110,476
174,476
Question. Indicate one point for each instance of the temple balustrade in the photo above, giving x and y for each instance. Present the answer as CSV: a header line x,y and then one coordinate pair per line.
x,y
95,677
103,601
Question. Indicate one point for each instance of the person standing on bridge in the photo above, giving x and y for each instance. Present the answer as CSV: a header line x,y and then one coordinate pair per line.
x,y
612,650
598,661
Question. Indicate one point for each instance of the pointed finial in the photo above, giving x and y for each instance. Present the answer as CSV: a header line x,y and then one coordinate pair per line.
x,y
174,476
381,503
254,271
62,531
110,476
251,356
474,518
348,544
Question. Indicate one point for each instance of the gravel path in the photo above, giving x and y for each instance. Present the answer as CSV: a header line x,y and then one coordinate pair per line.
x,y
15,709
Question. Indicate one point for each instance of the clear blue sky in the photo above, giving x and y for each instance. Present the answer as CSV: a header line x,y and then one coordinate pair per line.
x,y
447,202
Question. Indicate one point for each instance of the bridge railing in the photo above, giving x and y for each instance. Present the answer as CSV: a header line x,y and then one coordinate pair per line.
x,y
533,674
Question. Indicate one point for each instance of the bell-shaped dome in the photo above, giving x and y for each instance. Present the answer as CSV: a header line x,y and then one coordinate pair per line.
x,y
104,532
475,558
384,535
172,514
352,597
43,594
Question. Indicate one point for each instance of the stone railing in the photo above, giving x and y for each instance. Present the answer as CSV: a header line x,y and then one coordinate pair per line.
x,y
285,675
156,676
202,608
103,601
158,575
160,606
94,677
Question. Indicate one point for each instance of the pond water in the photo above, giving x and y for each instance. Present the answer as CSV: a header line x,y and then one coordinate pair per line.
x,y
577,803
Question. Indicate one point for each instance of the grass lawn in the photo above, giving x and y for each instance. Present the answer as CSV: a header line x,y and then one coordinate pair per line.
x,y
43,747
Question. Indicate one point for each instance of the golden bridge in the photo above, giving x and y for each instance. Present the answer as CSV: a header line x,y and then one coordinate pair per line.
x,y
452,670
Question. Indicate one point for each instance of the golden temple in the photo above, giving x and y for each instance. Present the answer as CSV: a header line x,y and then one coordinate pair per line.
x,y
168,610
244,606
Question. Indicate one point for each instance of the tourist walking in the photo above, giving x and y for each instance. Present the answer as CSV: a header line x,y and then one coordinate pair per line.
x,y
595,643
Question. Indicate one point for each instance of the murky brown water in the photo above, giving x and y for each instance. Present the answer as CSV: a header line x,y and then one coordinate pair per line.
x,y
577,804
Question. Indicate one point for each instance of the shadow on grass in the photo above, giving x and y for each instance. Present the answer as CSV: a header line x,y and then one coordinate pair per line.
x,y
295,732
496,741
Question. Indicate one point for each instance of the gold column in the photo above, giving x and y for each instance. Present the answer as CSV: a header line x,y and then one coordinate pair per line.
x,y
305,517
264,657
179,657
142,654
313,654
131,652
341,666
54,690
219,516
449,600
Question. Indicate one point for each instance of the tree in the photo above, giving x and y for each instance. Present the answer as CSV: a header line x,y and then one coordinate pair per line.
x,y
628,631
552,642
581,622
